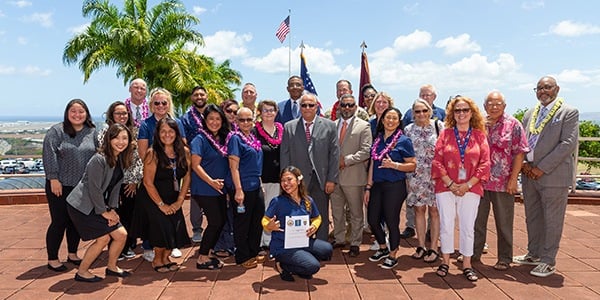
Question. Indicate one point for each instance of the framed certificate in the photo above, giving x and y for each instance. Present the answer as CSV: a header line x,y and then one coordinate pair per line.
x,y
295,231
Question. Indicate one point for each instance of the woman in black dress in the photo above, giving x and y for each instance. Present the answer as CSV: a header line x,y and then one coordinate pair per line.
x,y
165,165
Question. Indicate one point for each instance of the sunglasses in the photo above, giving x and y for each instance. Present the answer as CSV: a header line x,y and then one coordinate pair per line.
x,y
347,105
462,110
422,111
247,120
158,103
231,111
305,105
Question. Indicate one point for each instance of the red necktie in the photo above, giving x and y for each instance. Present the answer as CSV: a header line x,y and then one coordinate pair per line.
x,y
308,131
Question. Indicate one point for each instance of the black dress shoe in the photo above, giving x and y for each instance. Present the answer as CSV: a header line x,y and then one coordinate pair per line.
x,y
337,245
76,262
121,274
407,233
83,279
354,251
61,268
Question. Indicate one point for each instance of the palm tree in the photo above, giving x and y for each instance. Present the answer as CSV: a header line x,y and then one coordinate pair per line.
x,y
148,43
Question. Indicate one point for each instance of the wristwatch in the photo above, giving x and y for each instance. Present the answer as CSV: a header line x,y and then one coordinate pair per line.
x,y
469,185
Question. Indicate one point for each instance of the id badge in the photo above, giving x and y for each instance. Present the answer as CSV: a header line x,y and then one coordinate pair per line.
x,y
176,185
462,174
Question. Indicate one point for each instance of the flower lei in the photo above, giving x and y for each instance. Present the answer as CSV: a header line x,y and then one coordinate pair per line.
x,y
251,141
538,130
272,141
144,112
196,118
387,149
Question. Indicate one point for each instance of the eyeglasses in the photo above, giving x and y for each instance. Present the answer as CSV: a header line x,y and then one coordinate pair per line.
x,y
369,95
305,105
122,113
158,103
247,120
462,110
268,110
426,95
230,111
345,105
422,111
543,88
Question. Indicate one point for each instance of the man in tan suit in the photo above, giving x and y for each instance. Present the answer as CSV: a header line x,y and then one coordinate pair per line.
x,y
354,136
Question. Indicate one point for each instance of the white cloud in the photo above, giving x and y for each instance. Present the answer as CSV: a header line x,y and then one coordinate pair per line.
x,y
20,3
318,61
22,40
573,29
1,14
225,45
78,29
458,44
35,71
198,10
7,70
530,5
416,40
44,19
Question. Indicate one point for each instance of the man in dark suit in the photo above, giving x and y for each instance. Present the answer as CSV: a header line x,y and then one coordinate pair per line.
x,y
310,143
290,109
552,131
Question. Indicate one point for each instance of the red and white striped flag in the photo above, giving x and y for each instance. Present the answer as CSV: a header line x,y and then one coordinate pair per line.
x,y
283,29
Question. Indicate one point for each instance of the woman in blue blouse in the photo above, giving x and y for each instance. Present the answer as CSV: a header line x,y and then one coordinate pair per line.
x,y
294,201
211,168
245,163
392,156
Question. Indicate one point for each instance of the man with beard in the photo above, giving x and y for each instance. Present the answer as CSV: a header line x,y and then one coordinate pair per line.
x,y
192,122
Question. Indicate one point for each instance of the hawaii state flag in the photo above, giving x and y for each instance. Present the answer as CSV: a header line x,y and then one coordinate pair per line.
x,y
365,77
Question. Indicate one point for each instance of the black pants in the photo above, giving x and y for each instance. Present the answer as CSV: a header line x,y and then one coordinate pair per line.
x,y
386,200
59,223
215,210
125,211
247,229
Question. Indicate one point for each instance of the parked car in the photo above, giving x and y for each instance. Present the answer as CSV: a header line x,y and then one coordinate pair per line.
x,y
587,185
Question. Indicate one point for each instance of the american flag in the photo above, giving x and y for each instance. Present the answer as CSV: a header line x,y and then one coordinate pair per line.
x,y
283,29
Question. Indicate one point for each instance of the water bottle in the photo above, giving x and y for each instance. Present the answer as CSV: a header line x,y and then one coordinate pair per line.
x,y
241,208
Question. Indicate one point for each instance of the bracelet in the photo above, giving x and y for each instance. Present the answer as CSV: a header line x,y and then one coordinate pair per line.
x,y
161,203
450,184
367,188
469,185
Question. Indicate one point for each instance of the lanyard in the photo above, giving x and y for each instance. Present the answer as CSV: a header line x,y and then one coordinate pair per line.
x,y
174,166
462,147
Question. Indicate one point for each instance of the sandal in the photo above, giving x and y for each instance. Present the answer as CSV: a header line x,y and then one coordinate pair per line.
x,y
419,253
502,266
172,266
250,264
433,256
442,270
161,269
209,265
470,274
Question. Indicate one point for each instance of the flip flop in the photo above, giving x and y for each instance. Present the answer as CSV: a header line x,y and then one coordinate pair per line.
x,y
419,253
431,252
161,269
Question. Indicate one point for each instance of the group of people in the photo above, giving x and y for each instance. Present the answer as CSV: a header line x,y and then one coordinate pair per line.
x,y
250,166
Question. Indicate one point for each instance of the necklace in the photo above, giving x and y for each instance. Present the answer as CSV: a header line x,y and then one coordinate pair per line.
x,y
196,118
273,142
538,130
385,150
250,140
144,112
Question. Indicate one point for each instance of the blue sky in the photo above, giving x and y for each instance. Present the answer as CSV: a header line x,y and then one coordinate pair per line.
x,y
461,47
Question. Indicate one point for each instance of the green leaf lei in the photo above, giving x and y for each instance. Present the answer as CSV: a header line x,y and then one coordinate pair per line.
x,y
538,130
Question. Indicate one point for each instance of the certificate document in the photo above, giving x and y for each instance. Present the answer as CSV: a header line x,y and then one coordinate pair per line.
x,y
295,231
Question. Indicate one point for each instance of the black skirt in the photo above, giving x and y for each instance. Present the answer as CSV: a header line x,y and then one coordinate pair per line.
x,y
92,226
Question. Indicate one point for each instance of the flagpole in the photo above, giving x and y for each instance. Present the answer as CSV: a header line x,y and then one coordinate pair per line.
x,y
290,45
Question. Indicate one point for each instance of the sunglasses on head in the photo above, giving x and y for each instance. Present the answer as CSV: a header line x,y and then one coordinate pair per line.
x,y
158,103
305,105
347,105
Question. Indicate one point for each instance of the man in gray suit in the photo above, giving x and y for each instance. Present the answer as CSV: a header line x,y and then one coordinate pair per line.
x,y
310,143
552,132
354,137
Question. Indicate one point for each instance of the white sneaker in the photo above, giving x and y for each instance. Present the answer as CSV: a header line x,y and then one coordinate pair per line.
x,y
526,260
485,248
543,270
175,253
148,255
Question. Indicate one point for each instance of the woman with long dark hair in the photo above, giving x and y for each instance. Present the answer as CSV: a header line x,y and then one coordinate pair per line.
x,y
93,202
68,146
295,201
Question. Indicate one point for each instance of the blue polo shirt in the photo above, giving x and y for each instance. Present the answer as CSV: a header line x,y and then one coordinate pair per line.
x,y
190,127
282,206
147,128
404,148
250,165
213,163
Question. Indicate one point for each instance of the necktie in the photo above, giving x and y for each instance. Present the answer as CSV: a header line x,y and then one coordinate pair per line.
x,y
138,115
534,137
294,109
343,132
308,131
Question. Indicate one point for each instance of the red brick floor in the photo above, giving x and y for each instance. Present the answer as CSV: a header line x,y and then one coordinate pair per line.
x,y
23,272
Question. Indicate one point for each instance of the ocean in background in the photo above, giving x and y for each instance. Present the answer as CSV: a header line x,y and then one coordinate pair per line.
x,y
43,119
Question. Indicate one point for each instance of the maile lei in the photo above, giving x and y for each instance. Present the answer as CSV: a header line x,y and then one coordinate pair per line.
x,y
222,149
538,130
385,150
272,141
144,112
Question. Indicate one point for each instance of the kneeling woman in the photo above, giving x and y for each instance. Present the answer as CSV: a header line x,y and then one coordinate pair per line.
x,y
93,201
294,201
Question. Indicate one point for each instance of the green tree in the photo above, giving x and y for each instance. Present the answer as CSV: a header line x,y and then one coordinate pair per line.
x,y
149,43
520,113
589,148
